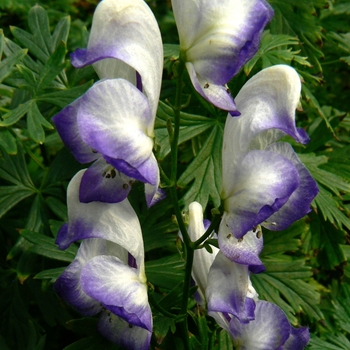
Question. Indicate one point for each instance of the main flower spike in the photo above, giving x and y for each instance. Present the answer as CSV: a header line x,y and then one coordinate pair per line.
x,y
216,40
264,181
107,276
113,123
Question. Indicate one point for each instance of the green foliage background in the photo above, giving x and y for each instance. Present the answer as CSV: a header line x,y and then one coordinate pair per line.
x,y
307,270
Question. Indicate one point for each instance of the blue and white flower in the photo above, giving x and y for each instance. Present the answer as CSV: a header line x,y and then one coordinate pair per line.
x,y
264,182
232,301
216,39
112,123
108,274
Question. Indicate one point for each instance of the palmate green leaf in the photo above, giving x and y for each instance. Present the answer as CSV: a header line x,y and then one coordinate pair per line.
x,y
172,299
205,171
11,195
337,310
25,266
49,50
36,214
321,133
8,142
299,18
334,182
30,78
346,251
330,209
35,123
12,48
51,274
39,41
62,98
28,40
45,246
283,284
58,208
61,32
311,100
340,340
342,309
224,341
36,83
162,325
165,272
271,53
326,240
191,126
343,41
171,53
286,280
288,240
203,328
7,63
158,228
14,169
327,204
16,114
52,67
329,344
160,234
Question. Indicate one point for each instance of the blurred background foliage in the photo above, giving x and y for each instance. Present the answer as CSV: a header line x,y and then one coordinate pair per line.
x,y
307,265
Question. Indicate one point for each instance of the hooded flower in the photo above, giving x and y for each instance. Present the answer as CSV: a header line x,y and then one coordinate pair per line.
x,y
112,123
264,181
223,284
233,302
270,330
216,39
107,276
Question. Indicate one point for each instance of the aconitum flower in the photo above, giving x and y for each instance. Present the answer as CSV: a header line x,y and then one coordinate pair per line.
x,y
232,301
223,284
216,39
112,123
270,330
264,181
107,276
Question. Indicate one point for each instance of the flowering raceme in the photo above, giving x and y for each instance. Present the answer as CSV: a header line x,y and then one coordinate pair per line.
x,y
112,123
107,276
264,182
216,39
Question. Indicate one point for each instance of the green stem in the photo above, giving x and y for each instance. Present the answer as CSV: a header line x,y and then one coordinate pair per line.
x,y
188,245
163,176
213,225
